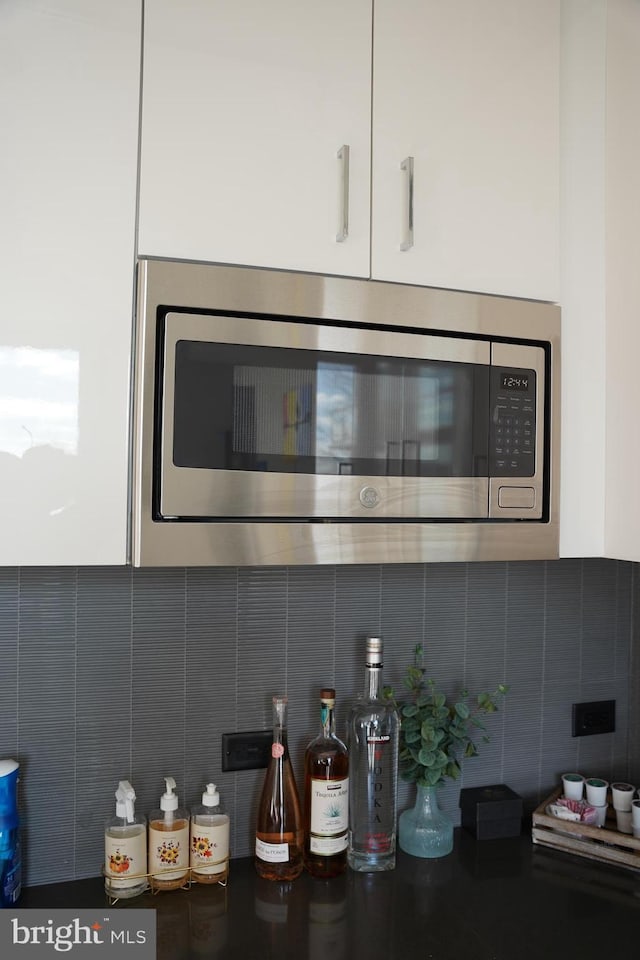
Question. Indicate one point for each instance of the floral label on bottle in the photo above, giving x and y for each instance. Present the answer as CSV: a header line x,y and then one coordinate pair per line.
x,y
329,816
277,750
168,848
124,857
209,844
272,852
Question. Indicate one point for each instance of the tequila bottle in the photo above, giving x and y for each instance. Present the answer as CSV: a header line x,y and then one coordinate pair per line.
x,y
374,728
326,796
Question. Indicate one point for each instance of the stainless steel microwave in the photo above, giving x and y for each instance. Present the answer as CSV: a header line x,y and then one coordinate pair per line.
x,y
285,418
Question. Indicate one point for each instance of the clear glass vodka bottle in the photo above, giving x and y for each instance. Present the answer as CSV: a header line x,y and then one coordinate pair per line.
x,y
374,728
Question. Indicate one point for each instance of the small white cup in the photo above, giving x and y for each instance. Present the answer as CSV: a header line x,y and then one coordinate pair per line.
x,y
596,791
635,817
601,814
622,795
573,785
624,822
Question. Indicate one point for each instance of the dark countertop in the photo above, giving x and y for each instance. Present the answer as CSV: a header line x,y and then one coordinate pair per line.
x,y
488,900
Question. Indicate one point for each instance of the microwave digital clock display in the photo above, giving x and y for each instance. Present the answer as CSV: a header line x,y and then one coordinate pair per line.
x,y
514,381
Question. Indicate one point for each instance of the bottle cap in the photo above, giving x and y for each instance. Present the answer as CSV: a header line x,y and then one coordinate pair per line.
x,y
9,818
328,695
8,766
280,710
125,795
374,651
211,797
169,800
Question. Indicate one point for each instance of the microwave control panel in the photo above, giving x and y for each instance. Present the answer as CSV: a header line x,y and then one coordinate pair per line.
x,y
512,440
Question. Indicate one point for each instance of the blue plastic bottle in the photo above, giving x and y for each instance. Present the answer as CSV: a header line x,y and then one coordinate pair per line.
x,y
10,857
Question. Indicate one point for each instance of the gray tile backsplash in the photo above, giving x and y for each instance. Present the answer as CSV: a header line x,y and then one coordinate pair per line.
x,y
113,673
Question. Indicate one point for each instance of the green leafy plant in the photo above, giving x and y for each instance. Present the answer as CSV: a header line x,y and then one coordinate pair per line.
x,y
435,734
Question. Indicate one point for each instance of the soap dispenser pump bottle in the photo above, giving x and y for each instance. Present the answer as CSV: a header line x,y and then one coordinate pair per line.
x,y
125,847
209,839
10,856
169,841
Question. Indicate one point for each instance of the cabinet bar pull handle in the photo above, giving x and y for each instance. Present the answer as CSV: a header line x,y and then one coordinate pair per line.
x,y
407,166
343,232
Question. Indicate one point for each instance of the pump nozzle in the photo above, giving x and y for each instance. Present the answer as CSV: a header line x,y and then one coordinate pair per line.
x,y
169,800
125,795
211,797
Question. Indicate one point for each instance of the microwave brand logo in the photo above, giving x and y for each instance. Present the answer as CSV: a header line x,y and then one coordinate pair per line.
x,y
36,933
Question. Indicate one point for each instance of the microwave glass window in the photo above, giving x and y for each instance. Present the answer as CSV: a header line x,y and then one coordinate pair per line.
x,y
253,408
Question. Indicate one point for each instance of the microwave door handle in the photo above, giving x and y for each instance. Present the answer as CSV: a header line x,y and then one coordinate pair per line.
x,y
343,156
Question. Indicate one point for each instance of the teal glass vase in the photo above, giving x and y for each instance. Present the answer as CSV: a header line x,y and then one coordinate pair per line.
x,y
424,830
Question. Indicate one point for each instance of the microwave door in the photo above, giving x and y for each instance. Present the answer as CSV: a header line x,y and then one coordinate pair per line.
x,y
268,418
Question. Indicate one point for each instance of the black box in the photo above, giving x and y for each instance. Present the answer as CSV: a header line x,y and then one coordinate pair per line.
x,y
491,812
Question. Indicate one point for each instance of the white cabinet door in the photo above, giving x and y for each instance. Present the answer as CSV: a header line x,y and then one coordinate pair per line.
x,y
599,503
584,112
69,76
469,89
622,300
245,108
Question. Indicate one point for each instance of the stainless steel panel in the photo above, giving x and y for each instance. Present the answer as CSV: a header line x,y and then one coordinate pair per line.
x,y
231,493
279,293
204,286
292,544
306,336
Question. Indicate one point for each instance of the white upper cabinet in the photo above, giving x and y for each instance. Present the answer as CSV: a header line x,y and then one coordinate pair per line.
x,y
584,110
469,90
622,299
246,108
70,77
599,502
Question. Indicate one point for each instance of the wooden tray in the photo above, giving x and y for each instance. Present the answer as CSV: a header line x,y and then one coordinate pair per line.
x,y
605,844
